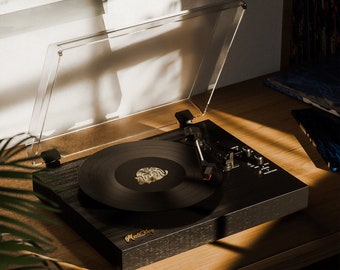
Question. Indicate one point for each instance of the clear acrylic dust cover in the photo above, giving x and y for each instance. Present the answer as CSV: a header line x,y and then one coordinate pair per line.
x,y
127,84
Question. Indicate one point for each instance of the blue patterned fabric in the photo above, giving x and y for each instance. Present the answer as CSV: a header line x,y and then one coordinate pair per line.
x,y
317,84
323,129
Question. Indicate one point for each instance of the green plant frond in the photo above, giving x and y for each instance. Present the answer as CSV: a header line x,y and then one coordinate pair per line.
x,y
17,163
19,175
14,222
19,224
25,235
34,216
12,233
18,147
56,265
33,267
26,261
20,200
51,263
17,191
28,210
23,162
7,141
54,207
12,152
19,245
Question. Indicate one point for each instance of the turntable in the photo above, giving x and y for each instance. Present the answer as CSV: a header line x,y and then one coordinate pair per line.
x,y
136,169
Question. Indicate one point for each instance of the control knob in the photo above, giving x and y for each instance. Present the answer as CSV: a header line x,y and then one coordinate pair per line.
x,y
258,159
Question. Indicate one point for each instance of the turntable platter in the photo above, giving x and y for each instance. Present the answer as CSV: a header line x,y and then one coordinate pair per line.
x,y
147,175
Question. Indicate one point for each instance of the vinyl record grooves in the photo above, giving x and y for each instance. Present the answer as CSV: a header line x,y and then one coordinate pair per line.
x,y
147,175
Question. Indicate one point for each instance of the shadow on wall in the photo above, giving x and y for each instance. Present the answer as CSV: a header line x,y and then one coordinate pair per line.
x,y
23,47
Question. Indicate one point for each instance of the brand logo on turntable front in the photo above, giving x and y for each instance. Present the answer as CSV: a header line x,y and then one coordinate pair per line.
x,y
133,237
148,175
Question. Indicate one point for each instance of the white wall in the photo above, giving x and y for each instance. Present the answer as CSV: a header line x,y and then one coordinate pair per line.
x,y
25,35
257,47
23,43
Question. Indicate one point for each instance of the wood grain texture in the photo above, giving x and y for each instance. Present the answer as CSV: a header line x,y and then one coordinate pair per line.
x,y
262,119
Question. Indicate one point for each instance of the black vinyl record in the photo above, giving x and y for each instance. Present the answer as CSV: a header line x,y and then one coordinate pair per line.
x,y
146,175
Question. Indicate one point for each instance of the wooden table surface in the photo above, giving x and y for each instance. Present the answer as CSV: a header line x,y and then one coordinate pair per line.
x,y
262,119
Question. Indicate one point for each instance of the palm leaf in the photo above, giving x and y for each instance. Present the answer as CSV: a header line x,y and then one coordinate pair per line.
x,y
10,174
15,245
20,224
25,210
19,146
51,206
5,195
20,163
20,207
28,261
21,233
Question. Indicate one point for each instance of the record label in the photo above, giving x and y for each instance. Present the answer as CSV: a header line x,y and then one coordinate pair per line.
x,y
150,174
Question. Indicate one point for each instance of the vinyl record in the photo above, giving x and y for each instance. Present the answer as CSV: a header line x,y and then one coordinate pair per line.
x,y
147,175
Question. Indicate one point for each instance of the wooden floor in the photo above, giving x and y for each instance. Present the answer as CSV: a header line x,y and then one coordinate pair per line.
x,y
261,118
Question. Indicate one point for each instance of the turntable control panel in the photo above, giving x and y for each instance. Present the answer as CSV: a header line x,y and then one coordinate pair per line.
x,y
248,156
218,151
241,154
